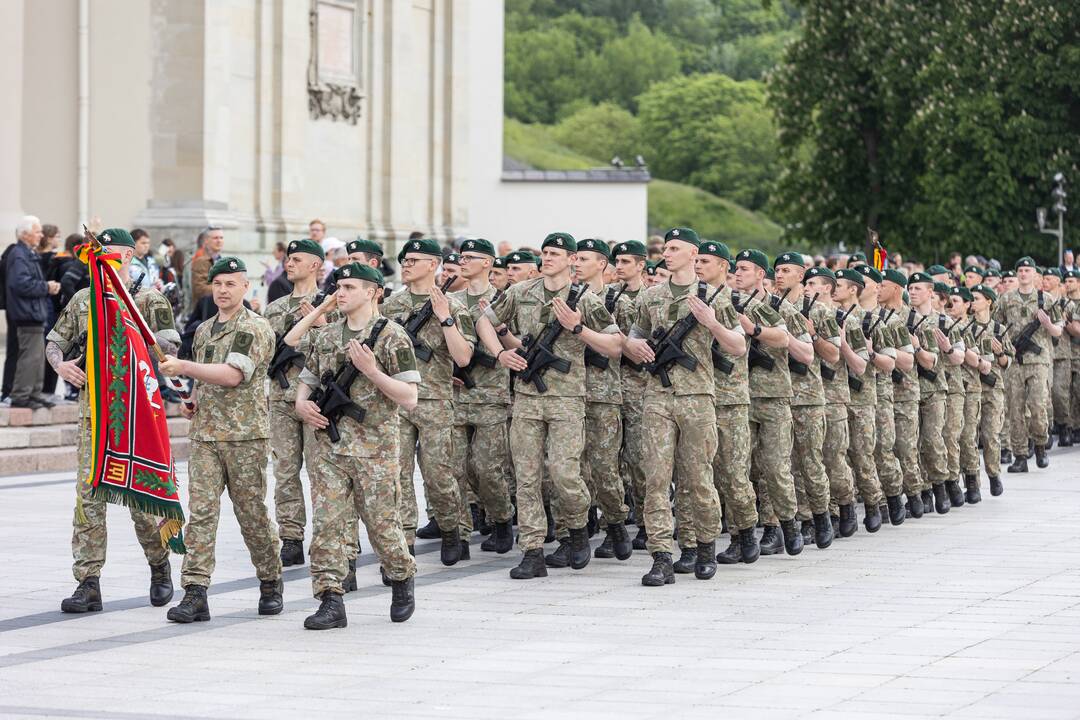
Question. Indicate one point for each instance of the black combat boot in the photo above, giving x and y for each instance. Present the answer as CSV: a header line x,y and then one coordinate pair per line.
x,y
849,523
450,552
687,560
731,556
465,553
620,541
550,535
403,600
561,557
641,540
872,521
504,537
431,531
1031,448
941,499
835,520
1006,456
593,523
580,551
1050,433
915,506
331,613
161,587
193,608
349,583
793,543
823,530
748,546
1019,465
532,566
292,552
1076,436
705,567
928,501
996,487
1065,437
771,543
479,519
1041,460
662,573
606,549
384,576
896,509
807,531
86,598
971,485
956,495
270,602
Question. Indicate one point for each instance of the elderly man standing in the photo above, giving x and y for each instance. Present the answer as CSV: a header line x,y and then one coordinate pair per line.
x,y
213,242
27,304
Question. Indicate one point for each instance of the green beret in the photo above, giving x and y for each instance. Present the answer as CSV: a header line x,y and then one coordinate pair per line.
x,y
356,271
991,272
770,274
1056,272
423,246
718,249
895,276
986,291
560,240
688,235
500,263
116,236
1008,274
661,265
1072,274
936,270
1025,261
305,246
360,245
920,277
851,275
789,258
906,298
479,245
940,287
975,269
753,256
630,247
451,258
870,273
593,245
650,267
520,258
224,266
857,257
819,272
961,292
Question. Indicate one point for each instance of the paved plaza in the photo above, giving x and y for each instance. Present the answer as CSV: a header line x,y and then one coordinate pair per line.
x,y
973,614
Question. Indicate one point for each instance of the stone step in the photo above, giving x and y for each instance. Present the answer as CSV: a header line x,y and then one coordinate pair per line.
x,y
60,414
22,461
49,436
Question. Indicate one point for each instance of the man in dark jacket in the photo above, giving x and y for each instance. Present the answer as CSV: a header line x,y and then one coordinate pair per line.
x,y
27,303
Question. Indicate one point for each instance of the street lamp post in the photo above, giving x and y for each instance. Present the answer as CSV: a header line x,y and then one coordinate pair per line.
x,y
1058,195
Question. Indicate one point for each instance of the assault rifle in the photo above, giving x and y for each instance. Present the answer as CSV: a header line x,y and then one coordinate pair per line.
x,y
668,344
990,379
794,365
827,373
1025,342
897,376
479,357
416,322
756,357
539,352
720,362
592,357
333,396
284,358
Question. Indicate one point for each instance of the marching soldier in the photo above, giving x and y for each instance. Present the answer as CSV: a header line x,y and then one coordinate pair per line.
x,y
1072,330
88,537
520,266
1061,381
964,399
497,275
229,435
993,347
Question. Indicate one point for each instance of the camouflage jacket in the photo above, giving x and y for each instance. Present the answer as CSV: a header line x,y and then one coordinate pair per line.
x,y
1017,310
377,435
955,374
732,388
928,342
605,386
775,383
282,314
436,376
808,389
246,343
836,385
492,384
633,381
907,389
1062,346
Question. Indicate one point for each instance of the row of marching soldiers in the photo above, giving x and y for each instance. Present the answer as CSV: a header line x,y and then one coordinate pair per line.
x,y
764,393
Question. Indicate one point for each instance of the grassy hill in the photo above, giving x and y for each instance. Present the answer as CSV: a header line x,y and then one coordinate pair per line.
x,y
670,203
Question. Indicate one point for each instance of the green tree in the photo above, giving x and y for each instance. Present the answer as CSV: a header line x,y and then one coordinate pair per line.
x,y
626,66
543,73
600,131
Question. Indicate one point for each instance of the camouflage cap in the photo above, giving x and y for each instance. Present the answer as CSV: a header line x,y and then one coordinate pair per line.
x,y
360,245
629,247
789,258
919,277
560,240
478,245
1026,261
718,249
961,292
754,256
895,276
869,273
687,235
851,275
306,245
116,236
356,271
224,266
986,291
520,257
594,245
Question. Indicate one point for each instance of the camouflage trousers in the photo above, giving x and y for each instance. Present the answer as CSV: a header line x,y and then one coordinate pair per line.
x,y
317,449
770,458
862,439
807,461
991,417
90,538
834,454
932,455
238,467
954,428
888,467
548,435
344,488
906,418
679,439
731,466
478,456
288,436
1028,405
1074,394
600,460
1062,384
631,458
969,437
429,425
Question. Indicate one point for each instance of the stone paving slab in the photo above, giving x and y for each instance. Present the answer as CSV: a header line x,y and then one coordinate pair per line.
x,y
975,614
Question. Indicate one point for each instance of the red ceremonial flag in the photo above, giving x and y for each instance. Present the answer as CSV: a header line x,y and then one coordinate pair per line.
x,y
881,255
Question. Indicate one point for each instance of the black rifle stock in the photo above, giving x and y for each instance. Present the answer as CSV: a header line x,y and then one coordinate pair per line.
x,y
416,322
1025,340
333,398
668,348
284,357
539,352
800,368
479,358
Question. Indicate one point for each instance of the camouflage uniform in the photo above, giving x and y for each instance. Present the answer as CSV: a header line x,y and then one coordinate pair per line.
x,y
888,467
992,411
430,423
932,393
679,421
862,427
480,451
973,389
1074,343
89,535
1062,381
359,474
955,400
229,434
548,430
837,396
1027,400
631,457
906,409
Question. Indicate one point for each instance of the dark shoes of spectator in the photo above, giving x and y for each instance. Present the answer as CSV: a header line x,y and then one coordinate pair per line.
x,y
44,399
28,403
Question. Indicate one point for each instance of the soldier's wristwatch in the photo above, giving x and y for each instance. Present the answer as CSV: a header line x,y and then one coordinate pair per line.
x,y
577,329
448,322
757,330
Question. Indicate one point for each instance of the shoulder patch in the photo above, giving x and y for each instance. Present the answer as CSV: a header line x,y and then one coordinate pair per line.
x,y
242,343
164,318
405,359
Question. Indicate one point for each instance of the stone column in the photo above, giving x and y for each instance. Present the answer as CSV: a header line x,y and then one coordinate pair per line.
x,y
11,79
